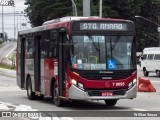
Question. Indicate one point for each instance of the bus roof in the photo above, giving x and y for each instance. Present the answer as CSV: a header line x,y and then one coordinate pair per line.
x,y
63,21
151,49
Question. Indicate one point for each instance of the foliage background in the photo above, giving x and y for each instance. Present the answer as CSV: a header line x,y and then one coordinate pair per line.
x,y
40,11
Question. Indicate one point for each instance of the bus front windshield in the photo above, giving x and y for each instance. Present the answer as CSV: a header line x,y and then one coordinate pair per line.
x,y
92,52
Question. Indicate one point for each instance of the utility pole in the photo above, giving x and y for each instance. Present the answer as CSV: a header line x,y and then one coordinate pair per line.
x,y
100,8
74,7
158,31
14,25
20,21
17,22
86,8
2,22
7,3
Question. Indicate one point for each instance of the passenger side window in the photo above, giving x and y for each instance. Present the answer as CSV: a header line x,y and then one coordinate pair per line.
x,y
29,47
45,45
53,43
49,44
150,56
157,57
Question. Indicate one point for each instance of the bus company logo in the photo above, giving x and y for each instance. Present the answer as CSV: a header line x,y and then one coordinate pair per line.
x,y
105,78
106,72
7,2
107,85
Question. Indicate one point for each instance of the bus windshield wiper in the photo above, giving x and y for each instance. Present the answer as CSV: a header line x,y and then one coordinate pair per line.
x,y
93,43
112,47
97,48
115,42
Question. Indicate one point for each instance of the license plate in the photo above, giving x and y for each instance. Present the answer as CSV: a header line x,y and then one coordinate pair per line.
x,y
107,93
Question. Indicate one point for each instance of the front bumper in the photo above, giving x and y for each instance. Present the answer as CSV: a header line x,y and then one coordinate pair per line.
x,y
76,93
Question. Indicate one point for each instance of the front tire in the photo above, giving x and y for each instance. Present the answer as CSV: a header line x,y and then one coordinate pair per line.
x,y
40,97
55,96
30,93
110,102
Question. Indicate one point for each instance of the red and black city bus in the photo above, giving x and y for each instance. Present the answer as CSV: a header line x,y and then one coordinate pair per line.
x,y
84,58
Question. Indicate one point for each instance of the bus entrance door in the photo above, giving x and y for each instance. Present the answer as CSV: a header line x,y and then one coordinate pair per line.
x,y
21,81
37,63
61,62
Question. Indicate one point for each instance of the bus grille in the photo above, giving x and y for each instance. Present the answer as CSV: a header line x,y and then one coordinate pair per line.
x,y
99,92
114,76
100,77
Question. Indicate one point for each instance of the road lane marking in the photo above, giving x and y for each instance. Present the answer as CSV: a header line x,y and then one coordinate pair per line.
x,y
137,109
8,104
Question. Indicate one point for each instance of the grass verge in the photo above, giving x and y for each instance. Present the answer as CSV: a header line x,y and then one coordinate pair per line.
x,y
7,67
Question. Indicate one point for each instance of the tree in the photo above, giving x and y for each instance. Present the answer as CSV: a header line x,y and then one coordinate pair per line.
x,y
40,11
146,31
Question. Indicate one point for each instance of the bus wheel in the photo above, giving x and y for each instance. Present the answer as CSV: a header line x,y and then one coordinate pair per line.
x,y
30,93
145,72
110,102
57,101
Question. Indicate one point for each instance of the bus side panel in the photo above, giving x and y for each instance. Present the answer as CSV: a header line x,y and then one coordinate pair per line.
x,y
29,70
42,87
48,74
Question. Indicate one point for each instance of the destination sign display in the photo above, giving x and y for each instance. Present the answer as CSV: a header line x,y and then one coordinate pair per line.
x,y
103,26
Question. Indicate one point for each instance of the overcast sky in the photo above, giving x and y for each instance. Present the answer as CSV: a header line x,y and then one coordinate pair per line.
x,y
8,18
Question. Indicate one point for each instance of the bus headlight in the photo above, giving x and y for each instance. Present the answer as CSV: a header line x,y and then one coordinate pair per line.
x,y
80,86
77,84
132,83
74,82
